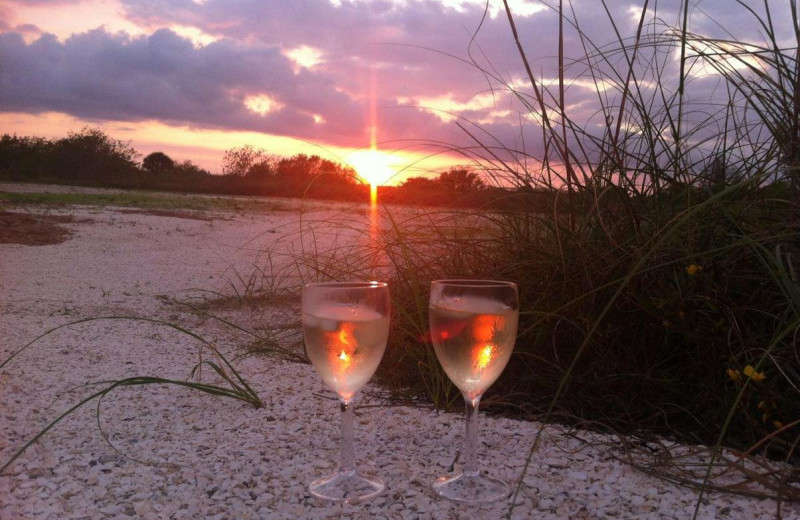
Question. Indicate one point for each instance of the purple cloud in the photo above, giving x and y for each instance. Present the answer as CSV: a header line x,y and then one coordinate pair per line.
x,y
46,3
98,76
414,53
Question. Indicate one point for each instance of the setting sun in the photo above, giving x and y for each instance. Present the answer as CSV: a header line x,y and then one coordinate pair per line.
x,y
373,166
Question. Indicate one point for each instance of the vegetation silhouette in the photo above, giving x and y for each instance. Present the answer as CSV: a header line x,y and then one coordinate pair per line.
x,y
90,157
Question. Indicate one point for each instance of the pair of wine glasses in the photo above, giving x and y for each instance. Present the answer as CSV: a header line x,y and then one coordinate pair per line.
x,y
473,327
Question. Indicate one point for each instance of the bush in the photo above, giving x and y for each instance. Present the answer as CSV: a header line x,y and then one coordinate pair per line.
x,y
91,156
23,158
85,157
247,160
158,162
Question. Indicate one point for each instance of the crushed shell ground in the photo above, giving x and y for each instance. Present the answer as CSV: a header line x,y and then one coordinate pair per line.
x,y
165,452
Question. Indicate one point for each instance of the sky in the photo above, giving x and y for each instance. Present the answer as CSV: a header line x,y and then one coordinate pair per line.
x,y
193,78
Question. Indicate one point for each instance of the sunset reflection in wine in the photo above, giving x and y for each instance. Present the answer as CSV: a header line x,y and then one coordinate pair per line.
x,y
473,329
345,328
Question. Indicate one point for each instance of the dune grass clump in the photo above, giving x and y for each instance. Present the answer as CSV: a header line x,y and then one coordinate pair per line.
x,y
655,246
659,289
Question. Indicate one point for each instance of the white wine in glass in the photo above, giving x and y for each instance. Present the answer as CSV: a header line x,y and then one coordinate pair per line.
x,y
473,327
345,328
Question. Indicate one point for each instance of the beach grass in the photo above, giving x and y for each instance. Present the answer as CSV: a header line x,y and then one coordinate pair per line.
x,y
659,291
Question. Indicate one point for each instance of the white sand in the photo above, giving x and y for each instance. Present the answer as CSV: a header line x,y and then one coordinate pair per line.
x,y
181,454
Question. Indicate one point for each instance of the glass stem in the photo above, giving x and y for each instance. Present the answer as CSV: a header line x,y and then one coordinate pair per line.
x,y
471,441
347,464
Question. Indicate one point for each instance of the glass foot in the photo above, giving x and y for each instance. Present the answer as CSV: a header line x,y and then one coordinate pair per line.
x,y
349,487
475,489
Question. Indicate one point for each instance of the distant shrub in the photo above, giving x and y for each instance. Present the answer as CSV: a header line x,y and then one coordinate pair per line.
x,y
158,162
23,158
85,157
188,168
247,160
91,155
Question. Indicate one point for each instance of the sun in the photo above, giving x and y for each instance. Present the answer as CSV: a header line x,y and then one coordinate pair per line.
x,y
373,166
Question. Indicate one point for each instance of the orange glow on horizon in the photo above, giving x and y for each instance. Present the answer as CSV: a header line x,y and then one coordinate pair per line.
x,y
206,147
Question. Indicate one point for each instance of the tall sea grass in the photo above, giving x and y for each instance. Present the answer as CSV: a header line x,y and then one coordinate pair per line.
x,y
659,289
661,292
668,257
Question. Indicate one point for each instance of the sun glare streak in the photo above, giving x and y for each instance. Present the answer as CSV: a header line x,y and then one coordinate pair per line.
x,y
374,227
374,167
373,110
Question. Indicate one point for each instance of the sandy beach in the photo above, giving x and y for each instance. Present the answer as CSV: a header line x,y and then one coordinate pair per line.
x,y
165,452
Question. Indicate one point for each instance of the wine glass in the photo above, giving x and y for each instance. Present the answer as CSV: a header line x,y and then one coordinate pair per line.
x,y
473,327
345,328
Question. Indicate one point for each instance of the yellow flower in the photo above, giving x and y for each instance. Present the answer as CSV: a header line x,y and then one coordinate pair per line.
x,y
750,372
693,269
735,376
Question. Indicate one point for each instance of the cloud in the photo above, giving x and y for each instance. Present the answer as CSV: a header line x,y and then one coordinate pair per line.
x,y
45,3
398,50
165,77
319,70
321,67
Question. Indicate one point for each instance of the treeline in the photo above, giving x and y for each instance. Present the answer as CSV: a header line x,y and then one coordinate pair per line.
x,y
92,158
